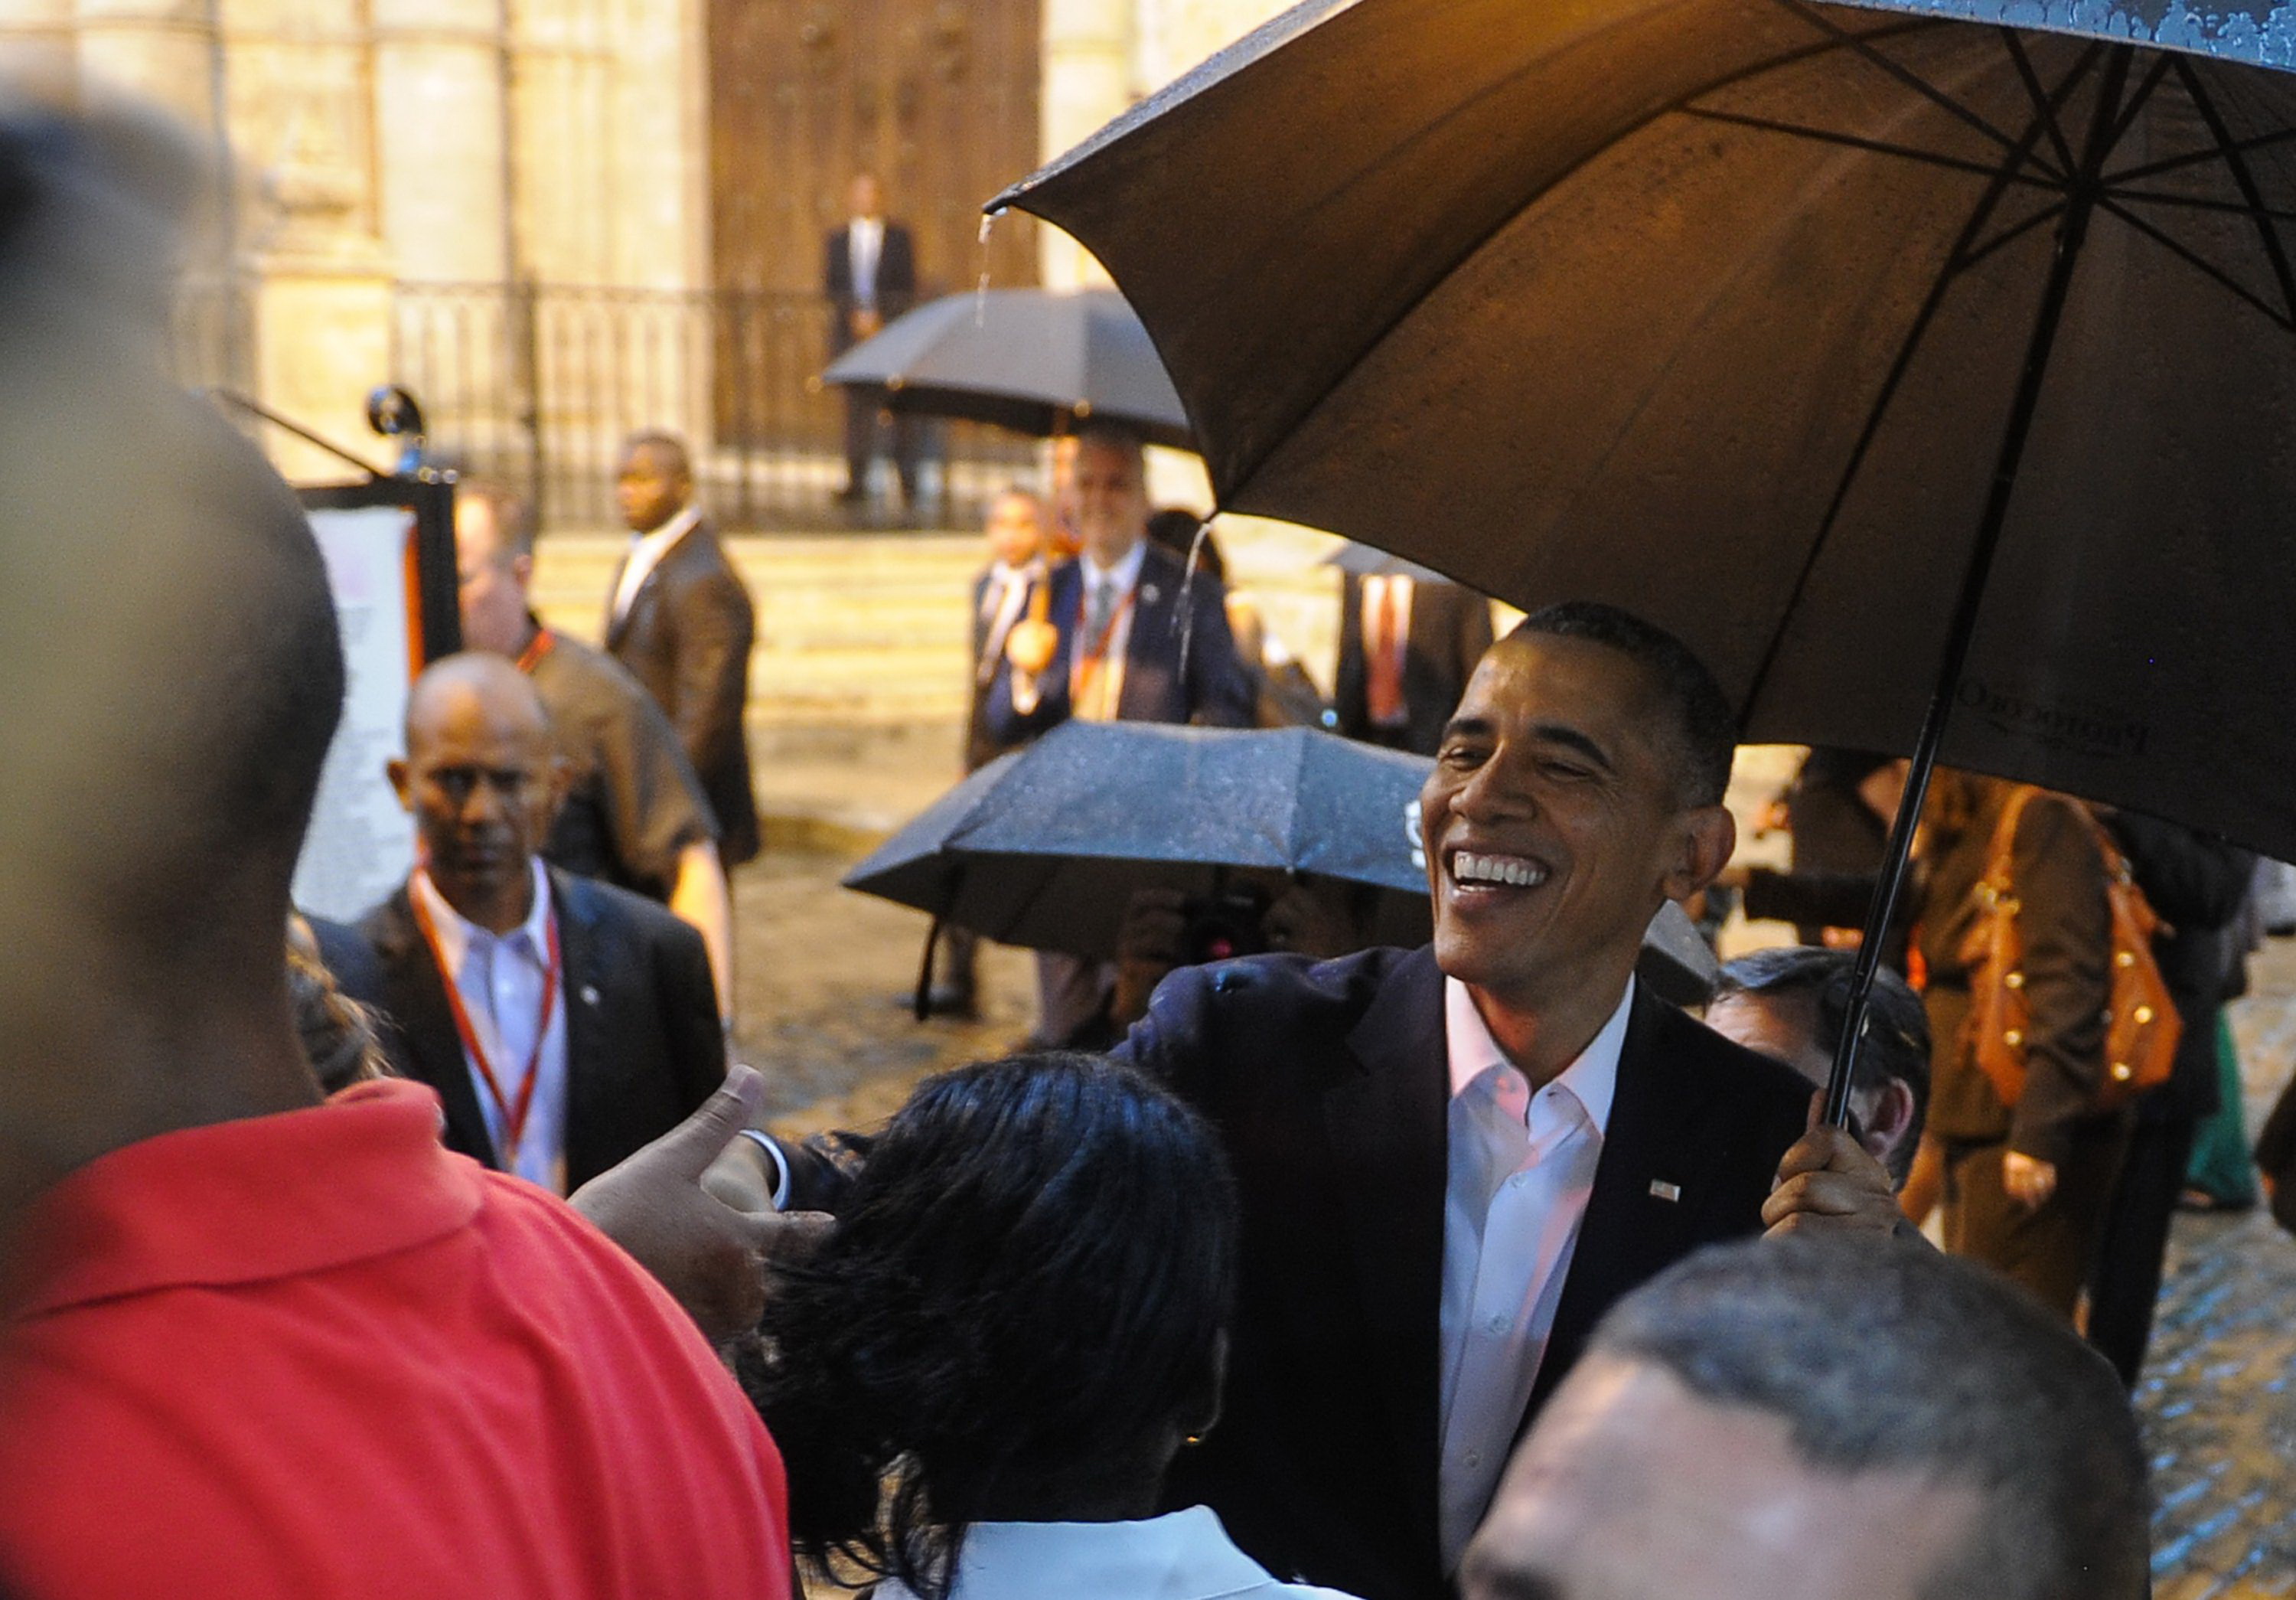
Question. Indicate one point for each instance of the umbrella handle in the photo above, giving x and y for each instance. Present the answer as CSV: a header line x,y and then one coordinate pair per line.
x,y
922,1004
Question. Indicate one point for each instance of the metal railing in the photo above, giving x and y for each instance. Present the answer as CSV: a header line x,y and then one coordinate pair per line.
x,y
539,385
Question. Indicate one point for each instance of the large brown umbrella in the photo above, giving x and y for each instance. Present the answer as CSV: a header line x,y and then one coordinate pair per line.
x,y
1931,377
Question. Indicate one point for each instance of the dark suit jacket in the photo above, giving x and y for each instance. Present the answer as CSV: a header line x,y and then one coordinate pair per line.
x,y
1450,629
1330,1086
1214,687
896,280
643,1046
686,637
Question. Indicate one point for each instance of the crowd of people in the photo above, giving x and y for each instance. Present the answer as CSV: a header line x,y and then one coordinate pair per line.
x,y
445,1254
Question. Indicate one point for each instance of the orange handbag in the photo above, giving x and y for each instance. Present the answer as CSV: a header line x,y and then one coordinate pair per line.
x,y
2142,1026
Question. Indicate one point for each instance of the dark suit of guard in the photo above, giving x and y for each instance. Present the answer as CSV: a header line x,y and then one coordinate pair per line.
x,y
686,637
642,1044
1449,629
891,295
1210,686
1330,1086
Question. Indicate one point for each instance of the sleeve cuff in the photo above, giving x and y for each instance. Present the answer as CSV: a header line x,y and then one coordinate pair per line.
x,y
776,1159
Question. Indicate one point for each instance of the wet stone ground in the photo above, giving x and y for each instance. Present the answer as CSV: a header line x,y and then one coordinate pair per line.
x,y
820,967
2218,1410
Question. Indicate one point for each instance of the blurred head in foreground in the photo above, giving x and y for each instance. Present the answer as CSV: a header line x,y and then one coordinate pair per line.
x,y
1022,1304
1790,1004
1830,1419
173,677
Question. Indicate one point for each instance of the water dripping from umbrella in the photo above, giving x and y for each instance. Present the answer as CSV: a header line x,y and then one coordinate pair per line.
x,y
980,287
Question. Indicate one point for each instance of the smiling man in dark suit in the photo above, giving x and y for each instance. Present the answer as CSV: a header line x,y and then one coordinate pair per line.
x,y
1453,1160
563,1022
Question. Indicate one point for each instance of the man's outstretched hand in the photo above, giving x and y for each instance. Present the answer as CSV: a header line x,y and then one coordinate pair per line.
x,y
1828,1182
710,1257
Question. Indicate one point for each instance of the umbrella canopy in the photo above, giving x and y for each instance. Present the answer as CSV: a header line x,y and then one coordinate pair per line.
x,y
1783,324
1035,360
1045,847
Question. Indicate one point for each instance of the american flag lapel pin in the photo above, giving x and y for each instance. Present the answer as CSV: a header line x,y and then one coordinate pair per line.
x,y
1663,1190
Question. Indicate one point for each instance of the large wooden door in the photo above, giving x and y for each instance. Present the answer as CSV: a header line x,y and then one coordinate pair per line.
x,y
937,97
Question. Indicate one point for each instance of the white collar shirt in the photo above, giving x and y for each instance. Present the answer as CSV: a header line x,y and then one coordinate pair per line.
x,y
1107,689
1002,596
501,978
646,553
1521,1167
1181,1556
864,240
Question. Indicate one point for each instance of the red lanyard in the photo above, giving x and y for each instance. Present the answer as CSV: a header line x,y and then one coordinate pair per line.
x,y
543,642
513,1116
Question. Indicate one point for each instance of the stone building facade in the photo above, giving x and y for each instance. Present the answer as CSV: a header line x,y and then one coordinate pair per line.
x,y
412,181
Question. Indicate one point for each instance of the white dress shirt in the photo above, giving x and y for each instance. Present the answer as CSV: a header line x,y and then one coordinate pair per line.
x,y
646,551
1180,1555
1520,1167
501,979
1001,599
864,243
1122,578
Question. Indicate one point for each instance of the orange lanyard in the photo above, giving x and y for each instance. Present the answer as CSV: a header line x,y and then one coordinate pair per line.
x,y
543,642
514,1114
1085,678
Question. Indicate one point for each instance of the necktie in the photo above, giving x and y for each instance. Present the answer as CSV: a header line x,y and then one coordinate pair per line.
x,y
1383,655
1097,615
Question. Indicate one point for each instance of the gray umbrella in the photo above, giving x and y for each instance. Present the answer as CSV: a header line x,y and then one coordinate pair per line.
x,y
1045,847
1037,361
1931,377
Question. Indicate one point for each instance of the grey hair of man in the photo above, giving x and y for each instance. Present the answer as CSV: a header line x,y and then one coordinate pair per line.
x,y
1704,728
1886,1354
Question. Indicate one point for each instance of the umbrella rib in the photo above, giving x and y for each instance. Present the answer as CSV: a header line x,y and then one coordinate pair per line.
x,y
2009,235
2200,202
2040,100
2280,319
2279,135
2267,235
2136,102
1855,141
1956,262
1910,79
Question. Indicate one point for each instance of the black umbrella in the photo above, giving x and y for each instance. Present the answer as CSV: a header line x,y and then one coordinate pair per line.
x,y
1903,363
1045,847
1035,360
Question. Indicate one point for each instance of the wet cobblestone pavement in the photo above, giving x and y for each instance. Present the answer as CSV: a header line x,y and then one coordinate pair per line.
x,y
2218,1395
